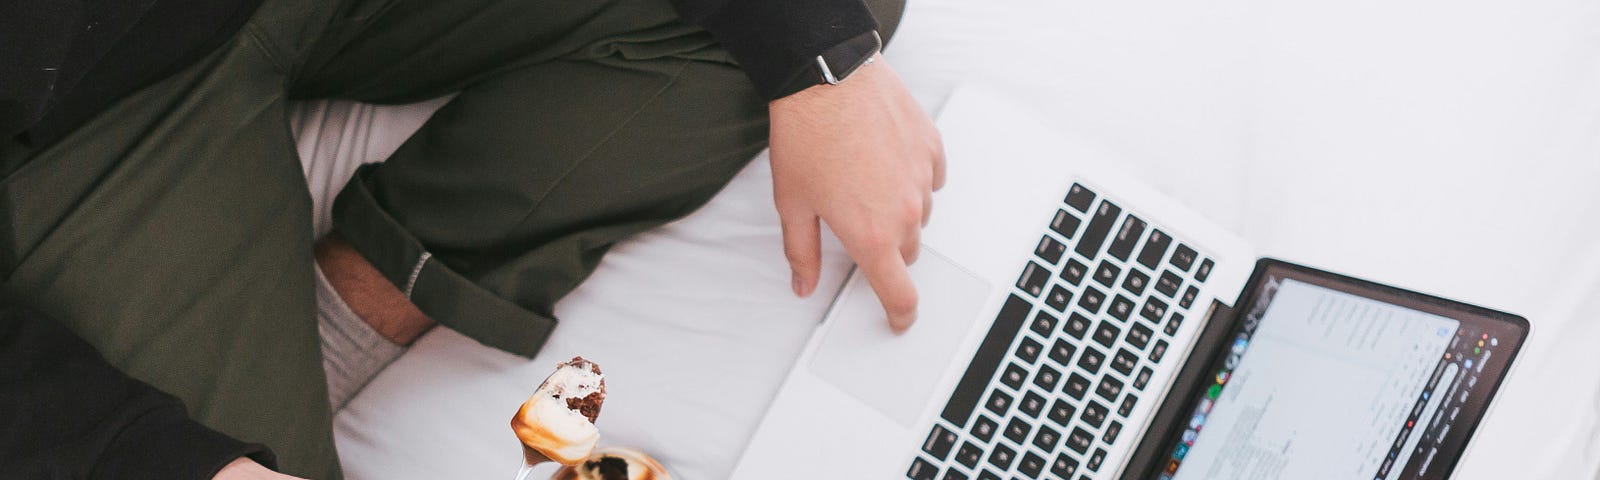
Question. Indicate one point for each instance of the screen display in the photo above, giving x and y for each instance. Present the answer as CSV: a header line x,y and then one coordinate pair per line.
x,y
1323,381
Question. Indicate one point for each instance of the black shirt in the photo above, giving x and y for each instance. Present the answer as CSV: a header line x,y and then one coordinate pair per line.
x,y
66,413
62,61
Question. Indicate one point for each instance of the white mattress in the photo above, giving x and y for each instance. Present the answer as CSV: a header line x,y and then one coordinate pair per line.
x,y
1447,146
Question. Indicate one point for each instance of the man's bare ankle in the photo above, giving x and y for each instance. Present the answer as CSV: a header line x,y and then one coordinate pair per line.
x,y
368,293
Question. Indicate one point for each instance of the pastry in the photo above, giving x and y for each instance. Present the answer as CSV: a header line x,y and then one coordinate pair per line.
x,y
558,420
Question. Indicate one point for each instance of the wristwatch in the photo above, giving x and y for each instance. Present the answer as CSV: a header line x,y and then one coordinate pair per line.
x,y
837,63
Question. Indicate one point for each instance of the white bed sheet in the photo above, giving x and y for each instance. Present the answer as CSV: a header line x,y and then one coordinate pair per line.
x,y
1448,146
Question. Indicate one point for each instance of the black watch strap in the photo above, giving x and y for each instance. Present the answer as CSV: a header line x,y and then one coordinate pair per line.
x,y
837,62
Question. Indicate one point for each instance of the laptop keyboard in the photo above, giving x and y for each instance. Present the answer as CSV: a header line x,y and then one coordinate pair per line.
x,y
1071,351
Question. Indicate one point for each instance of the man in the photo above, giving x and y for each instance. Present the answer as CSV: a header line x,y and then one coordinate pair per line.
x,y
155,218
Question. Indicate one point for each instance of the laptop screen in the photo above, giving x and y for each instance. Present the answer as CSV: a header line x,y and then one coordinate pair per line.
x,y
1322,380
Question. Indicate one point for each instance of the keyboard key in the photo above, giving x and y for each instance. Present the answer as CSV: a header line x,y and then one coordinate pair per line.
x,y
1080,440
1017,430
1168,284
1028,350
1183,258
1002,456
1076,326
1109,388
969,454
1043,324
986,361
1099,226
1079,197
1126,407
939,443
1061,352
1158,351
1090,360
1106,334
988,475
1058,298
1204,272
1095,459
1153,310
1050,250
1076,386
1047,378
1121,307
998,402
1047,438
1033,279
1155,248
1127,237
1031,405
1091,299
922,470
1074,272
1173,323
1143,378
1064,466
1189,295
1031,465
1109,435
1014,376
1124,361
1095,414
1065,224
984,428
1107,273
1061,412
1135,282
1139,336
953,474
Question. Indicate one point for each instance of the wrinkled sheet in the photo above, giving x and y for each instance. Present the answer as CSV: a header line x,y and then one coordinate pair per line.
x,y
1447,146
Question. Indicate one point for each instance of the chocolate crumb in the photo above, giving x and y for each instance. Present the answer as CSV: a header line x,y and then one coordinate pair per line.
x,y
588,406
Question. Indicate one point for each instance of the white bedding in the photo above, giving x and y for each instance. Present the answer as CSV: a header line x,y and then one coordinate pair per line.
x,y
1447,146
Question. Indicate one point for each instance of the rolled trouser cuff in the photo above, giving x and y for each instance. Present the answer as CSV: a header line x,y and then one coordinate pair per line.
x,y
441,293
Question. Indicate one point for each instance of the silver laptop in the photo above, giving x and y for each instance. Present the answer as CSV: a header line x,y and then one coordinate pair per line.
x,y
1076,324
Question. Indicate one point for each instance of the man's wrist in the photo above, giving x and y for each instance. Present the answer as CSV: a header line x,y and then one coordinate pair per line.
x,y
836,63
774,41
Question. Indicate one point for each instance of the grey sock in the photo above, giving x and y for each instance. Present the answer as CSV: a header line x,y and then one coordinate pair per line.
x,y
352,351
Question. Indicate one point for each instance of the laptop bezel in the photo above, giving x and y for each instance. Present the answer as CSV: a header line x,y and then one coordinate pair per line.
x,y
1150,456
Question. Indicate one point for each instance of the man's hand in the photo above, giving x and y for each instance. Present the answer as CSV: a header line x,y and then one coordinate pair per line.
x,y
244,468
864,157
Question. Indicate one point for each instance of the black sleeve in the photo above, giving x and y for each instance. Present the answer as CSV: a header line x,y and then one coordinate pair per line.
x,y
34,38
66,413
775,40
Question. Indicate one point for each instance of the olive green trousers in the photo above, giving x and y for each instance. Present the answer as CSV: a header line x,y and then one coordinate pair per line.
x,y
173,231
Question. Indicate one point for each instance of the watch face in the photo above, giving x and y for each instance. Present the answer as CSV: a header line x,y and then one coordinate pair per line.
x,y
839,62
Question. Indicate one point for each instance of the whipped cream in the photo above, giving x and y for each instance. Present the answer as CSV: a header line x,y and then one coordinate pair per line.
x,y
555,427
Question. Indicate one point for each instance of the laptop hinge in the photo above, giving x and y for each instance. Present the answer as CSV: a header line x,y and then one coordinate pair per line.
x,y
1170,417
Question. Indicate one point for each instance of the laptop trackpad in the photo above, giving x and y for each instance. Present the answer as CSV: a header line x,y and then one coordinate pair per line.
x,y
896,374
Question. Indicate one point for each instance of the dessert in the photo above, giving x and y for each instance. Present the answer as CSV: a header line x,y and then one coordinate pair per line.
x,y
615,464
558,420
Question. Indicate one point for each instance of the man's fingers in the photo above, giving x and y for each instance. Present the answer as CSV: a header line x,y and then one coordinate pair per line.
x,y
911,244
802,245
938,161
886,272
927,207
